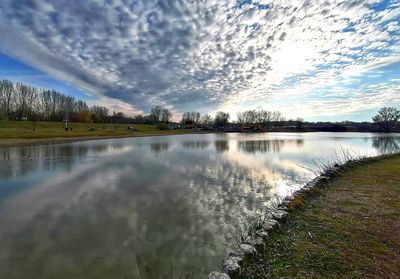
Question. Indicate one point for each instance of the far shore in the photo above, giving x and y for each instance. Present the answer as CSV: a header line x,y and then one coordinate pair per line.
x,y
59,140
21,133
26,133
4,143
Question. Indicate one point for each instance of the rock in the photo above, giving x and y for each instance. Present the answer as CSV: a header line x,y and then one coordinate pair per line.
x,y
311,184
286,202
248,250
244,251
270,225
282,207
280,215
231,266
263,234
256,242
323,179
218,275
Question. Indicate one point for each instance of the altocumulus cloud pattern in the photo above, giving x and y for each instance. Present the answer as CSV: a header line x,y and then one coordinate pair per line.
x,y
213,54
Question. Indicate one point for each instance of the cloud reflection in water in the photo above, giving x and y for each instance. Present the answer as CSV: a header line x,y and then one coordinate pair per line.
x,y
85,207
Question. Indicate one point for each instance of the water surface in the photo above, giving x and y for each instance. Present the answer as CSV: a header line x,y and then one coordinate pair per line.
x,y
160,207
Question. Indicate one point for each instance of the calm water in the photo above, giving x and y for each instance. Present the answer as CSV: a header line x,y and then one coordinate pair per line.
x,y
161,207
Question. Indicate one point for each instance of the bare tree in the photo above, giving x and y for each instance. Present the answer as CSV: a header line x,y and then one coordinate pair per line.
x,y
247,117
28,102
387,118
6,97
25,98
277,118
221,119
81,106
206,120
265,117
166,115
191,116
99,114
156,113
299,123
46,104
255,117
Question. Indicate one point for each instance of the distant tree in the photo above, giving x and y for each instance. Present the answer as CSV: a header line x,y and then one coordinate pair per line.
x,y
139,119
265,117
221,119
262,117
81,106
22,101
159,114
99,114
299,123
118,117
166,115
156,114
191,116
240,118
69,107
247,117
46,104
387,118
206,120
83,116
185,117
25,100
6,97
197,117
278,118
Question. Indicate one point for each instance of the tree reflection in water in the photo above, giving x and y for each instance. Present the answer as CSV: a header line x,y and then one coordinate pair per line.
x,y
386,144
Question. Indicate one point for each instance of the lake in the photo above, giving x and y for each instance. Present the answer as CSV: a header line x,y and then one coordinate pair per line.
x,y
155,207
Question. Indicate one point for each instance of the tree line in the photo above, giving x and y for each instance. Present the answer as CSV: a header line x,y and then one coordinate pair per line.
x,y
20,101
386,120
221,119
249,117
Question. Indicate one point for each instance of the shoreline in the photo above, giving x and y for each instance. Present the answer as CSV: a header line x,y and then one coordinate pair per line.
x,y
5,143
259,236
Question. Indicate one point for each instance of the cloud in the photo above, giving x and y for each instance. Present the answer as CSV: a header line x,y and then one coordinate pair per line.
x,y
203,55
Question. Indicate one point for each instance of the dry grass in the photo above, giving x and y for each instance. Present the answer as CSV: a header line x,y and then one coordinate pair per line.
x,y
16,133
44,130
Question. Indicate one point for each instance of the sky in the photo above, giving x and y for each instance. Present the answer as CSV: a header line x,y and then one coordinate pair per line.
x,y
320,60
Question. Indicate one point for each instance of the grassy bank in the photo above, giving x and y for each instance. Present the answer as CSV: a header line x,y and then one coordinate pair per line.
x,y
350,228
15,132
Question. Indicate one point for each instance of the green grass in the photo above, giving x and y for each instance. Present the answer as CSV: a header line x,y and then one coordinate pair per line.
x,y
46,130
349,229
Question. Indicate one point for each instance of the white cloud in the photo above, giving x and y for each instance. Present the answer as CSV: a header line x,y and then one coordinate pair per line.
x,y
203,55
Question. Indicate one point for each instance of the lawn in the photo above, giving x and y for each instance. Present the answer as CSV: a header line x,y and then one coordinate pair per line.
x,y
349,229
46,130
